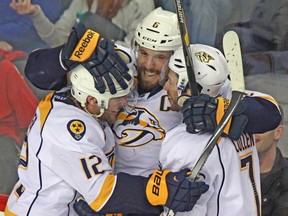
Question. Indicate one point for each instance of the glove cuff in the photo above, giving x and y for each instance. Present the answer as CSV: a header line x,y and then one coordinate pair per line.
x,y
156,188
85,46
223,104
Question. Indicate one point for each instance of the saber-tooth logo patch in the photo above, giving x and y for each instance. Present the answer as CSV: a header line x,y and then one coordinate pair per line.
x,y
203,57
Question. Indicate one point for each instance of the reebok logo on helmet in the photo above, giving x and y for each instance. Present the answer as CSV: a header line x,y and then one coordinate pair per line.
x,y
86,46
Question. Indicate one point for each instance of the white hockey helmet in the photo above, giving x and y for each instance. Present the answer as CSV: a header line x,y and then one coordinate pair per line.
x,y
159,31
210,67
83,85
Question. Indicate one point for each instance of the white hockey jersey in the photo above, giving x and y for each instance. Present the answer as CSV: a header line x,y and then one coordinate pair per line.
x,y
67,151
139,132
231,171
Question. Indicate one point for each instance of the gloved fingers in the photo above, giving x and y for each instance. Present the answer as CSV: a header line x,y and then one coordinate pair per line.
x,y
191,129
106,45
105,69
123,64
123,72
199,186
119,68
209,123
186,201
82,208
101,54
98,81
110,83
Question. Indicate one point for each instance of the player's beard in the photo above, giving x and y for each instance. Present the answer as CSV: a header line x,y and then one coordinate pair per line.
x,y
110,116
147,83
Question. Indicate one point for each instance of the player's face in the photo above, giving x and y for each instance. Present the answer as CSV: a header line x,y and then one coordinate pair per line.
x,y
268,140
114,106
172,90
150,64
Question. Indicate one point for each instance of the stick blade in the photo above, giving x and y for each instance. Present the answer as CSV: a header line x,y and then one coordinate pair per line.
x,y
232,51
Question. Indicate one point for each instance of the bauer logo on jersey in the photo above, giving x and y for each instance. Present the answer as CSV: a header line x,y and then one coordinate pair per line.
x,y
203,57
76,128
136,127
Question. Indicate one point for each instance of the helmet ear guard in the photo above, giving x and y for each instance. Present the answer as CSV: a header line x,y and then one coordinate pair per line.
x,y
210,67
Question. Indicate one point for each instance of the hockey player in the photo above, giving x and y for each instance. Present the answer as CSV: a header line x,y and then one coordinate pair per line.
x,y
140,131
232,169
212,78
68,151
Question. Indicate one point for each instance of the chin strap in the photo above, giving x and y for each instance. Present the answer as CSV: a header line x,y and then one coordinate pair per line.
x,y
94,115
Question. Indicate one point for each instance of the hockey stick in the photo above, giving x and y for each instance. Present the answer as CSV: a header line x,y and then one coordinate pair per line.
x,y
232,52
187,56
185,46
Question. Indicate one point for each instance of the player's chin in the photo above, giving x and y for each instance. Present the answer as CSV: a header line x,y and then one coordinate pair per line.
x,y
110,116
111,119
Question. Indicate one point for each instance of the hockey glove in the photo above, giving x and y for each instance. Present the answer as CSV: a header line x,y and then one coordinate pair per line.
x,y
83,209
98,56
174,190
203,113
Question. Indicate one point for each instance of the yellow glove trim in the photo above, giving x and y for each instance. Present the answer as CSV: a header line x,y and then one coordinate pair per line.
x,y
86,46
223,104
156,188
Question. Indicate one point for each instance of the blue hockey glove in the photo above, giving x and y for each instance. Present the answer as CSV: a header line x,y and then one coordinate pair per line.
x,y
203,113
83,209
98,56
174,190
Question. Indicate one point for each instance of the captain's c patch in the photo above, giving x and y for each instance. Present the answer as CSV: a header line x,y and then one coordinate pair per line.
x,y
76,128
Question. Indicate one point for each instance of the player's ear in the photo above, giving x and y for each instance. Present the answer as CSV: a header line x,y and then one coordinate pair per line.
x,y
279,132
91,100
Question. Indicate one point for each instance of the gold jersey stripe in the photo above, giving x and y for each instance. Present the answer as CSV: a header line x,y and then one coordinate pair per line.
x,y
105,193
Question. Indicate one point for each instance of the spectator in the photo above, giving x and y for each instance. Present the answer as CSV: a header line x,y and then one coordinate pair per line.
x,y
274,173
264,38
18,105
111,16
18,31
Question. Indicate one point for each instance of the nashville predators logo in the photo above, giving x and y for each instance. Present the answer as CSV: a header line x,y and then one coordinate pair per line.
x,y
203,57
76,128
137,127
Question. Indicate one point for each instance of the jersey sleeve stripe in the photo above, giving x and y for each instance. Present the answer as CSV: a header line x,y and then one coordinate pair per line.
x,y
45,107
105,193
